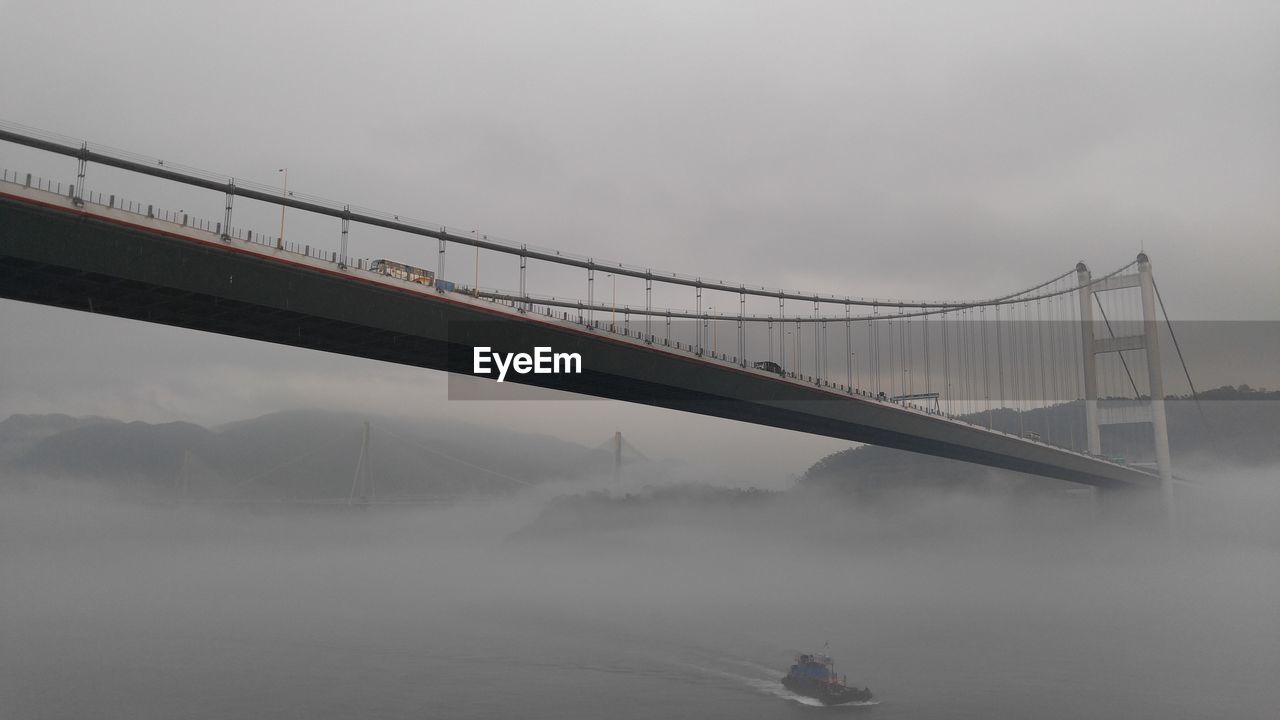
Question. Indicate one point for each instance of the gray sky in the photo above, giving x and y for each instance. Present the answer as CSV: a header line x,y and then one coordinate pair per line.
x,y
938,150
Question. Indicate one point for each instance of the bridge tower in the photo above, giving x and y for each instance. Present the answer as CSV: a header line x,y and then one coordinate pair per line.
x,y
620,453
1148,341
362,481
617,455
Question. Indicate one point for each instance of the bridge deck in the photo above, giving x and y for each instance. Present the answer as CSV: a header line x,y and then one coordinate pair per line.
x,y
111,261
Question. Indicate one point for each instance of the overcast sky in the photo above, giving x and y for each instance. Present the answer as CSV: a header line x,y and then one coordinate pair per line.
x,y
939,150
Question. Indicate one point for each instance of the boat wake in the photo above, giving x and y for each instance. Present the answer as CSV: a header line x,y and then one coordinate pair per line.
x,y
777,690
768,686
774,688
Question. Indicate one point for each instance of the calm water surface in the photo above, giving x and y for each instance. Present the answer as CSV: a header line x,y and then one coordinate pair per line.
x,y
124,612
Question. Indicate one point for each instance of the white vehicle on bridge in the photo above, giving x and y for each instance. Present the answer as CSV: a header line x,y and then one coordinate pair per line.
x,y
768,366
404,272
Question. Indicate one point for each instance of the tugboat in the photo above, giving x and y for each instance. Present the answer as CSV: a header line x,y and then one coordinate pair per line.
x,y
815,676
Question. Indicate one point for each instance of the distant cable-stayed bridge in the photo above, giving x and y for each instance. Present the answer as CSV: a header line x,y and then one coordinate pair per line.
x,y
929,376
368,483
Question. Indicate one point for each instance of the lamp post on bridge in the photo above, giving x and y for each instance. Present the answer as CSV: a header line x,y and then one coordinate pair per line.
x,y
284,194
714,344
613,314
795,354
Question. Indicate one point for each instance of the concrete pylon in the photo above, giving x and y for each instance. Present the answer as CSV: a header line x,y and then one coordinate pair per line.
x,y
1149,343
1155,381
1085,280
617,455
362,481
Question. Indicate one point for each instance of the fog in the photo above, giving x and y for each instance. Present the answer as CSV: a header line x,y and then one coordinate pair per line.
x,y
946,605
938,150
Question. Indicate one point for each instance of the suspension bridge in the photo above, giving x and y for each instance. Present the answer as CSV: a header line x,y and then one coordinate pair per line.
x,y
950,378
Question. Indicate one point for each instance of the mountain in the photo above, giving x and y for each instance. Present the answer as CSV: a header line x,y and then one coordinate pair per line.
x,y
20,432
132,450
1229,424
303,454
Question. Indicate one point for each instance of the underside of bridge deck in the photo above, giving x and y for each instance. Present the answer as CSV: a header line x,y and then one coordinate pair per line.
x,y
65,258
